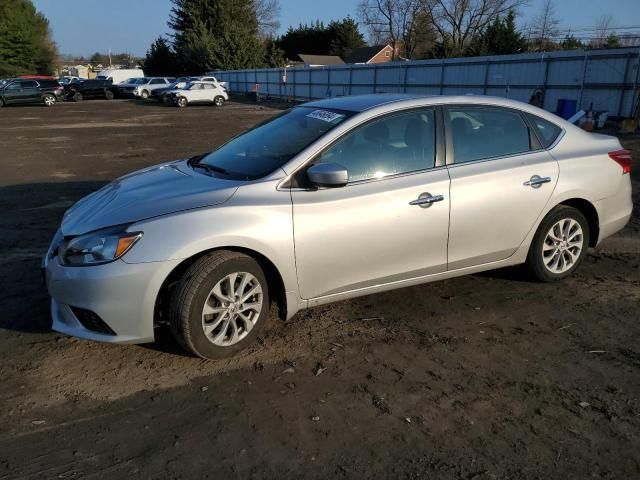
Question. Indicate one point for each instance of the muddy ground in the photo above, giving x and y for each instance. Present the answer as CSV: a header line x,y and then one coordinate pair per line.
x,y
482,377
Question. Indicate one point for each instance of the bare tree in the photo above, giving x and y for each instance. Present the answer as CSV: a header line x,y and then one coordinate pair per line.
x,y
393,21
458,22
267,14
603,29
545,26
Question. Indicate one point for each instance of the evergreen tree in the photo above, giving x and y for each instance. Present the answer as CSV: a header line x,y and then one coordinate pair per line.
x,y
345,37
274,55
160,59
312,38
571,43
216,34
25,43
500,38
340,37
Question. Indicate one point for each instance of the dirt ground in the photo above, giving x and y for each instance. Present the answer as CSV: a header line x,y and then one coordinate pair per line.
x,y
482,377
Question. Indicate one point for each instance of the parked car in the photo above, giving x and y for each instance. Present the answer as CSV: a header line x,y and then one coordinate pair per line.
x,y
198,92
22,91
333,199
160,94
126,89
89,89
69,79
143,89
118,75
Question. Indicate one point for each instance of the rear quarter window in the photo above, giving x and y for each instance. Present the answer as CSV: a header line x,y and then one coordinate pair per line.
x,y
546,131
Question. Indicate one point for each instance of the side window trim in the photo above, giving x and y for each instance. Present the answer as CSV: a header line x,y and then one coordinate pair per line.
x,y
439,161
450,154
530,120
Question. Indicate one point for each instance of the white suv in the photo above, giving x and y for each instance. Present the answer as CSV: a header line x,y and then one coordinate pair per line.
x,y
198,92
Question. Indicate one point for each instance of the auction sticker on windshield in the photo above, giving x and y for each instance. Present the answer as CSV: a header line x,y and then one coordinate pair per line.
x,y
326,116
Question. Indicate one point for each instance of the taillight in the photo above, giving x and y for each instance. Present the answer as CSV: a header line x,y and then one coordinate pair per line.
x,y
623,158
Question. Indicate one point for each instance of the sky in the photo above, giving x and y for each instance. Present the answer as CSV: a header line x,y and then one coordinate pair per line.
x,y
82,27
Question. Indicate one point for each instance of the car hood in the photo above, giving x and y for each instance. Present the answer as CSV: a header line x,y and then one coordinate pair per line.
x,y
158,190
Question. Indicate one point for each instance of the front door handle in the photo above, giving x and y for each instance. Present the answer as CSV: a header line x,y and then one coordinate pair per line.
x,y
536,181
425,200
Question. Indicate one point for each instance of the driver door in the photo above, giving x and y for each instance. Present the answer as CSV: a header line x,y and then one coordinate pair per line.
x,y
372,231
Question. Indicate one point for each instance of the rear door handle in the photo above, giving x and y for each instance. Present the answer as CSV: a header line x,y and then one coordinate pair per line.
x,y
536,181
425,200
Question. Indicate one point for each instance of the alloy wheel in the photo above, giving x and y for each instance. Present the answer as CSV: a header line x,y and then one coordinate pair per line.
x,y
232,309
562,246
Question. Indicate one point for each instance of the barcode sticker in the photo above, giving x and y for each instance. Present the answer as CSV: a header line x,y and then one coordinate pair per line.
x,y
325,115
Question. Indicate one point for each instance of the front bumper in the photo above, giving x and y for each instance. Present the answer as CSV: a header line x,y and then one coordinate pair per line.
x,y
122,295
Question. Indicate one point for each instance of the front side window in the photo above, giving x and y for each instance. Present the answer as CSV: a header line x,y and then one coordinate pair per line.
x,y
395,144
13,86
270,145
157,81
484,132
28,84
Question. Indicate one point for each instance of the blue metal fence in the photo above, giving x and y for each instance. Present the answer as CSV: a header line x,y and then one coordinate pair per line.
x,y
608,79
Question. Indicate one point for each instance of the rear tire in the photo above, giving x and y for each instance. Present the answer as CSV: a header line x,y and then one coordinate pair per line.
x,y
108,94
559,245
49,100
199,302
1,103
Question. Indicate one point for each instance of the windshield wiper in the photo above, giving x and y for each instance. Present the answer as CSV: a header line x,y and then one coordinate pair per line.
x,y
210,168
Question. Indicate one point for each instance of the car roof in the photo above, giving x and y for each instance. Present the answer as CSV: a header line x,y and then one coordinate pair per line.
x,y
360,103
382,101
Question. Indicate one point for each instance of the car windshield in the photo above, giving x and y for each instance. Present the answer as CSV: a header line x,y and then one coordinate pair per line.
x,y
270,145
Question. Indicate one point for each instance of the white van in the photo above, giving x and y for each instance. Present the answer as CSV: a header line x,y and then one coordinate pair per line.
x,y
119,76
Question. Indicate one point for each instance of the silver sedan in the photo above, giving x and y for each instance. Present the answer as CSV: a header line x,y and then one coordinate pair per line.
x,y
331,200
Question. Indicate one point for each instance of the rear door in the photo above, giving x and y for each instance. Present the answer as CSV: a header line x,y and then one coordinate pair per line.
x,y
501,180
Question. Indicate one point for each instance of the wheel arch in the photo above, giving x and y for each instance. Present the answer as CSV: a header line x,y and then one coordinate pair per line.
x,y
591,214
274,279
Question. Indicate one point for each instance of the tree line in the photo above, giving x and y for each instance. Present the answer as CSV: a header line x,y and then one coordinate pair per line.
x,y
235,34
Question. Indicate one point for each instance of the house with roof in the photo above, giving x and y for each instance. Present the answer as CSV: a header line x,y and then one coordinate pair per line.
x,y
319,60
374,54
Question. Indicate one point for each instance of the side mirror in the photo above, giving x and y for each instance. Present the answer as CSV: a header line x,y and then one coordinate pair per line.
x,y
328,175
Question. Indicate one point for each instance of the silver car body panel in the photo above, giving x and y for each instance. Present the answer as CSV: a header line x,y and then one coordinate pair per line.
x,y
153,191
334,243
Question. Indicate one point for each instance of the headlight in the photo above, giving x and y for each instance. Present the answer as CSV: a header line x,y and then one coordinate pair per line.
x,y
99,247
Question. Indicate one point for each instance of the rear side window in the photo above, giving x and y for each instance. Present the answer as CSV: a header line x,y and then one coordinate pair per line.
x,y
547,132
486,132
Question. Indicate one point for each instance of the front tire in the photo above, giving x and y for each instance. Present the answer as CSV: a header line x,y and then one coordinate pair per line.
x,y
108,94
220,305
559,245
77,97
2,104
218,101
144,95
181,102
